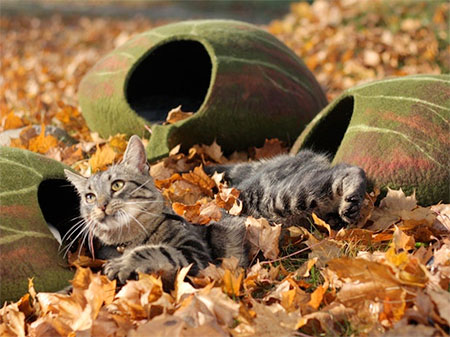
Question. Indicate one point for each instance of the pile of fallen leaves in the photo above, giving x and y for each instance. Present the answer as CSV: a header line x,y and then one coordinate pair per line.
x,y
389,273
346,42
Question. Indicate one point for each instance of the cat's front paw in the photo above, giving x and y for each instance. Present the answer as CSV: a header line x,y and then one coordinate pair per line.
x,y
350,208
353,192
119,268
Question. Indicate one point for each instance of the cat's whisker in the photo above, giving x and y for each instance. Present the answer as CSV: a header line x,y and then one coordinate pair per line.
x,y
146,212
139,187
73,229
144,202
85,236
91,242
138,222
122,221
127,220
76,218
124,216
70,244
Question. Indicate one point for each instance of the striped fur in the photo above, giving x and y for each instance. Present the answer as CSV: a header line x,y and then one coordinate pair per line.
x,y
286,189
136,218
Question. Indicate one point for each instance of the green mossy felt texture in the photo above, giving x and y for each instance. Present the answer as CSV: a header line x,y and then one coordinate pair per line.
x,y
396,129
27,247
258,89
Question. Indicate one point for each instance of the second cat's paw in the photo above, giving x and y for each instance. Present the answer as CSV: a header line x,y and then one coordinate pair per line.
x,y
118,269
353,191
350,208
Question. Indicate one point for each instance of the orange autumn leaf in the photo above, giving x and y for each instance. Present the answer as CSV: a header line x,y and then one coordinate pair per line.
x,y
17,142
202,212
263,237
103,157
207,152
11,121
201,179
232,283
71,154
73,120
321,223
165,183
393,310
12,321
118,142
402,241
227,197
317,297
271,148
42,143
288,299
176,115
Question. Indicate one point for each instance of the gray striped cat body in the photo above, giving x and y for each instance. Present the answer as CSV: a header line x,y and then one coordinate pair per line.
x,y
122,208
286,189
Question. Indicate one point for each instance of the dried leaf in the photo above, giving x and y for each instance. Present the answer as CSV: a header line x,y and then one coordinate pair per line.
x,y
270,320
263,237
227,198
403,241
231,283
11,121
139,298
395,207
319,222
271,148
162,326
42,143
317,297
12,321
176,115
201,213
443,215
397,200
103,157
224,309
201,179
441,299
183,288
118,143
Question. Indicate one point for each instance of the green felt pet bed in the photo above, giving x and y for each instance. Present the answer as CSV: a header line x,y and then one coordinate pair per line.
x,y
242,84
33,192
396,129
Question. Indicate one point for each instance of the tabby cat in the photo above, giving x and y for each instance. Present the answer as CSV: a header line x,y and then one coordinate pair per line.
x,y
286,189
122,208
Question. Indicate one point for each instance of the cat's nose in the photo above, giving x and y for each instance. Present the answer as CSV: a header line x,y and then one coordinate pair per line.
x,y
102,204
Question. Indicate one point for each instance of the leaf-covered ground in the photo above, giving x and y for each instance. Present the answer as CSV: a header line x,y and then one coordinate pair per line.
x,y
390,273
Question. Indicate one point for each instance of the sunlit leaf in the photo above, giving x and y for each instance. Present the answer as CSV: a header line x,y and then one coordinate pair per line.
x,y
103,157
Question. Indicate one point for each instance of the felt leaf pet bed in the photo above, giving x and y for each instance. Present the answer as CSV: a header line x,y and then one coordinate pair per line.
x,y
33,191
242,84
396,129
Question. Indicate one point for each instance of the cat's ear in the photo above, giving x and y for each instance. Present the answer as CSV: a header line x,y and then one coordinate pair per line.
x,y
135,155
76,180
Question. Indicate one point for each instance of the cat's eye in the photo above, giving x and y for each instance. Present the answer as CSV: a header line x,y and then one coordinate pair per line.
x,y
90,198
117,185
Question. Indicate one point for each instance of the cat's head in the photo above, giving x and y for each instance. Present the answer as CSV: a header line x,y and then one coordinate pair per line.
x,y
120,204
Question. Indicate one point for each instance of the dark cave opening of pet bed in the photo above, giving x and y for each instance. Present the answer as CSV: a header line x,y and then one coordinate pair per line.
x,y
59,203
327,136
175,73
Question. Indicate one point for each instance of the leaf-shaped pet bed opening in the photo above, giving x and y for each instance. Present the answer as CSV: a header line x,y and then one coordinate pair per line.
x,y
59,203
326,131
174,73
